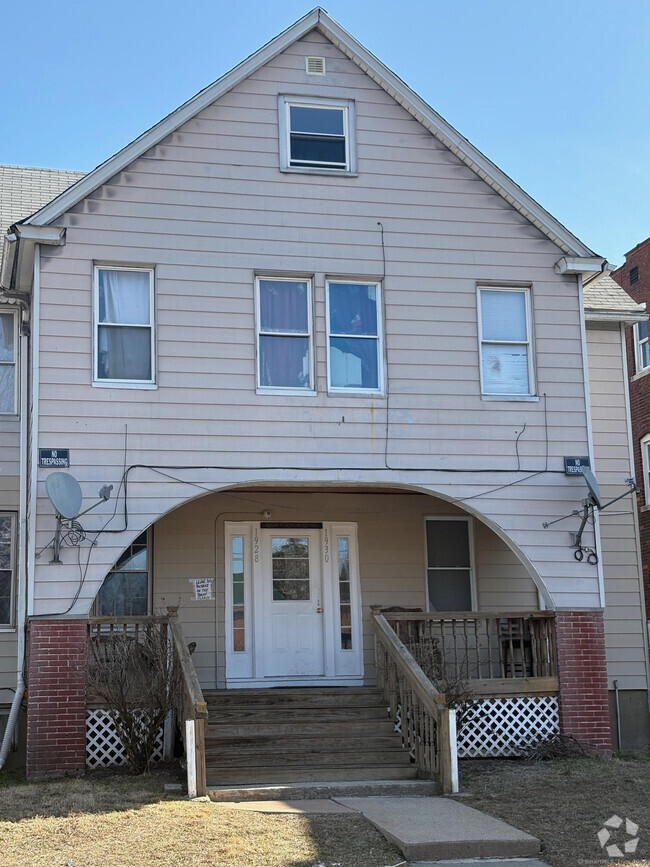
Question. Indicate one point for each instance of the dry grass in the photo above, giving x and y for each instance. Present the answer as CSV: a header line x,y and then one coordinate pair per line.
x,y
124,821
565,803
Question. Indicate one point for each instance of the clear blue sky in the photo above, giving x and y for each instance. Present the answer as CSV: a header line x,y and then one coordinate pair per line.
x,y
555,92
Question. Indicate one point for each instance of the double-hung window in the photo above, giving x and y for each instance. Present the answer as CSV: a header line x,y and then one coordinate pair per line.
x,y
317,134
354,337
641,346
7,567
284,334
8,362
450,571
506,363
124,326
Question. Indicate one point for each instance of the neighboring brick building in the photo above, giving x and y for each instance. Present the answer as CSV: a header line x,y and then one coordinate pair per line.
x,y
634,277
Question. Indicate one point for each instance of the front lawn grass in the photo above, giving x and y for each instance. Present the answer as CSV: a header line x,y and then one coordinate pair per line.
x,y
565,803
122,821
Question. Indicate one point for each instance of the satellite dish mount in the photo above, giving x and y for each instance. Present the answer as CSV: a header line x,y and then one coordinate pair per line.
x,y
65,495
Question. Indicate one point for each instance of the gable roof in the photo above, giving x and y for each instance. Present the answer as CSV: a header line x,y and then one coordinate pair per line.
x,y
24,189
319,20
605,299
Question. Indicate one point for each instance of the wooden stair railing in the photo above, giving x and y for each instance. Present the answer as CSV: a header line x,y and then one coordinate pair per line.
x,y
192,711
427,725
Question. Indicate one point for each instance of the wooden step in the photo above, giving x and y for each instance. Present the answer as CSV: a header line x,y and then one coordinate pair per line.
x,y
293,714
267,775
304,700
308,758
347,727
300,743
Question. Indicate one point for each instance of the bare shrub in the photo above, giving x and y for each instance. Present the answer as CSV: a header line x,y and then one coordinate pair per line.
x,y
137,676
453,684
556,747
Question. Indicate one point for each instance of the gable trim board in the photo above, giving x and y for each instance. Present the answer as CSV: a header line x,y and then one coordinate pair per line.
x,y
319,20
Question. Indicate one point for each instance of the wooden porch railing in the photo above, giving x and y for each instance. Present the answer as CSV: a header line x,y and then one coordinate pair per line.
x,y
191,709
498,653
427,726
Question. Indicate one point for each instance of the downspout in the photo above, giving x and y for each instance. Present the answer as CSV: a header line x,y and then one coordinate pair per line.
x,y
21,624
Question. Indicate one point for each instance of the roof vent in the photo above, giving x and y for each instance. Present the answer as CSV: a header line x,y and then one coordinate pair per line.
x,y
634,274
315,65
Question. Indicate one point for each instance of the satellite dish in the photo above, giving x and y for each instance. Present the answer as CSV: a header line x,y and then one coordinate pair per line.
x,y
65,494
592,484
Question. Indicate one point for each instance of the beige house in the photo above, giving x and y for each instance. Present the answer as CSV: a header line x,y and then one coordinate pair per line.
x,y
330,357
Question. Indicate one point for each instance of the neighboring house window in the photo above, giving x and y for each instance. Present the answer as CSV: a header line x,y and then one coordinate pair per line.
x,y
645,461
450,580
125,591
124,333
8,362
354,337
641,345
284,329
7,567
505,341
317,135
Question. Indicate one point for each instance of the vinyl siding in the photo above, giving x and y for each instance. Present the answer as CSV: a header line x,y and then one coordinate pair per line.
x,y
624,621
208,208
189,544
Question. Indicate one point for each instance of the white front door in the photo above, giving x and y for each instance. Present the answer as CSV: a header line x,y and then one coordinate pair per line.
x,y
291,604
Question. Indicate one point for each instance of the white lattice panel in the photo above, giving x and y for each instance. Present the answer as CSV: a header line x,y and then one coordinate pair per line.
x,y
103,746
495,727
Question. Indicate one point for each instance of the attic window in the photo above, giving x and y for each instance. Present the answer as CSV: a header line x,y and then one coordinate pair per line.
x,y
315,65
317,135
634,274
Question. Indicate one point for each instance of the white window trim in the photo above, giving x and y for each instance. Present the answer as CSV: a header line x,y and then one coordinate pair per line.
x,y
529,343
146,384
638,355
472,559
274,389
13,313
349,129
6,627
381,372
644,445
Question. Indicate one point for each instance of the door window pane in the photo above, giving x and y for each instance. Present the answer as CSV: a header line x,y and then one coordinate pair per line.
x,y
238,609
345,608
290,568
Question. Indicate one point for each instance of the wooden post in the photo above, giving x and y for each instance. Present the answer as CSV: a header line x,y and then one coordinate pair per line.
x,y
200,732
447,751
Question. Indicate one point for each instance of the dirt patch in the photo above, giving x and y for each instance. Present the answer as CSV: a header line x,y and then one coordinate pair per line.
x,y
129,822
565,803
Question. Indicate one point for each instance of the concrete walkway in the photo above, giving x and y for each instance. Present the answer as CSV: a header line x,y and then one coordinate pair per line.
x,y
426,830
437,828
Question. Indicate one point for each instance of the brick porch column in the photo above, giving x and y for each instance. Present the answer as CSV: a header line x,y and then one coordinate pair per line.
x,y
582,671
56,698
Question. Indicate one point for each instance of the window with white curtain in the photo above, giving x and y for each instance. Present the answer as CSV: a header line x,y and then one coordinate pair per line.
x,y
354,337
505,341
124,333
284,341
7,362
7,567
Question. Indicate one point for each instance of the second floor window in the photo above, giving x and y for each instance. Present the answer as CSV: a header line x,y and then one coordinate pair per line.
x,y
641,346
7,567
505,342
7,363
354,336
284,343
124,338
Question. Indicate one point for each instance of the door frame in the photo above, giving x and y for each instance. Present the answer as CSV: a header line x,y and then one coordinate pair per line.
x,y
342,667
